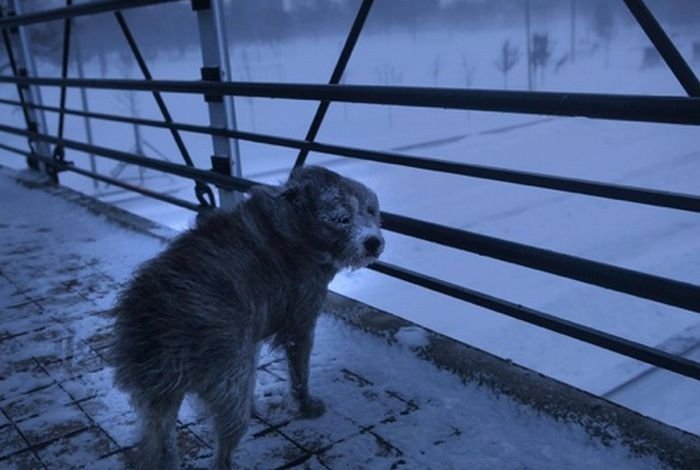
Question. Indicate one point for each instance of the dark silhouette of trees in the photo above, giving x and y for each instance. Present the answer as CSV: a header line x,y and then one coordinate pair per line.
x,y
509,56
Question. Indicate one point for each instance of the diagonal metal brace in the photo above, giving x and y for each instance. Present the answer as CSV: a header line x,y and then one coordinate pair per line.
x,y
203,192
336,76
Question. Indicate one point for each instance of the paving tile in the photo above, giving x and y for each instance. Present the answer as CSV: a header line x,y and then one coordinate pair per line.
x,y
78,359
122,429
121,460
89,384
366,404
19,377
44,341
108,404
9,295
10,441
53,424
34,403
22,461
366,450
191,448
77,449
320,433
267,449
26,308
67,306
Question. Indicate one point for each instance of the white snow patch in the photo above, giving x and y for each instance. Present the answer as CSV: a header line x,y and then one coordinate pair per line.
x,y
413,337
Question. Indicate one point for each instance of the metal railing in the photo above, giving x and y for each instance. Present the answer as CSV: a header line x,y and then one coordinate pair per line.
x,y
659,109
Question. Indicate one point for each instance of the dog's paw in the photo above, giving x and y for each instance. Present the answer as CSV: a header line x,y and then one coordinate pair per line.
x,y
312,407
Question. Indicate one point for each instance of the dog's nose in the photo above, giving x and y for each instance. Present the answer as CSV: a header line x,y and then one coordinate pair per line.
x,y
372,245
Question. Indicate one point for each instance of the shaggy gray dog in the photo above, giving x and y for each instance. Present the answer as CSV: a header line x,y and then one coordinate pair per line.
x,y
192,319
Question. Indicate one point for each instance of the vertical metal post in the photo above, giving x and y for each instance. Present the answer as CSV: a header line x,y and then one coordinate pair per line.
x,y
31,94
216,66
86,108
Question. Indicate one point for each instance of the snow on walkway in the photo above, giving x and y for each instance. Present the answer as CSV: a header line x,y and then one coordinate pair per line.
x,y
60,266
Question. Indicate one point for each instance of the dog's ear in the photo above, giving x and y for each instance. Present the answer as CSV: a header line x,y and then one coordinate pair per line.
x,y
291,193
300,194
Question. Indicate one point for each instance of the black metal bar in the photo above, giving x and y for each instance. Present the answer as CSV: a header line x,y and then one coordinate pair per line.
x,y
64,69
661,109
31,162
13,67
63,166
647,286
651,197
76,10
22,152
337,74
58,151
228,182
137,189
675,61
614,343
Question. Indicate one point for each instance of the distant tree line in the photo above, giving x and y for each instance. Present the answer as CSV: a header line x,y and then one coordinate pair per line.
x,y
173,27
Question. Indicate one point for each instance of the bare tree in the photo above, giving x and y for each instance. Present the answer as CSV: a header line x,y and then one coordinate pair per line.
x,y
436,69
509,56
389,75
541,53
469,70
603,24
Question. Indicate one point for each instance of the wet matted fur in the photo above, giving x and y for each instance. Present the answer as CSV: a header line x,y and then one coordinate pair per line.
x,y
192,319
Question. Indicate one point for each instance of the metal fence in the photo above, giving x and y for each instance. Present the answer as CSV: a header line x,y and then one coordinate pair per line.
x,y
47,152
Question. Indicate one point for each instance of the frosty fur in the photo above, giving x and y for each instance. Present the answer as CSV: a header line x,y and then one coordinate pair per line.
x,y
192,319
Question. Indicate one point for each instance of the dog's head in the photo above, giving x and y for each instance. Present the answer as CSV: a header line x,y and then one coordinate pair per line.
x,y
341,214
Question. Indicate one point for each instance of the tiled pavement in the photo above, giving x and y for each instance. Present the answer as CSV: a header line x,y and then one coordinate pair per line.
x,y
60,267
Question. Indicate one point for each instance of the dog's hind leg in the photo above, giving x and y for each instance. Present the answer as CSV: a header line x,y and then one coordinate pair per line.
x,y
158,447
230,403
298,348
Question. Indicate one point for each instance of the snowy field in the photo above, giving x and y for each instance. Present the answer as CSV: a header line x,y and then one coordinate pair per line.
x,y
660,241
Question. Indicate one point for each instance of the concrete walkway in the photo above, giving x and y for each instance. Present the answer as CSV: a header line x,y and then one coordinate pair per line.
x,y
62,260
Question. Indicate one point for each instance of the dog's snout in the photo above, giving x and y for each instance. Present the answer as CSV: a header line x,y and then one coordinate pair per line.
x,y
372,245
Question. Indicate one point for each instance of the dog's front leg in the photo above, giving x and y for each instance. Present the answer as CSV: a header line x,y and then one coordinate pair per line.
x,y
298,348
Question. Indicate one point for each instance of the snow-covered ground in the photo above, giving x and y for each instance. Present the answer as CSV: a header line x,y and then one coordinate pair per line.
x,y
661,241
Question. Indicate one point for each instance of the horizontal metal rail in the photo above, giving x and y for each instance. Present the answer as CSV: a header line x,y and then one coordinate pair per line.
x,y
661,109
76,11
610,342
647,286
228,182
67,166
660,289
656,198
